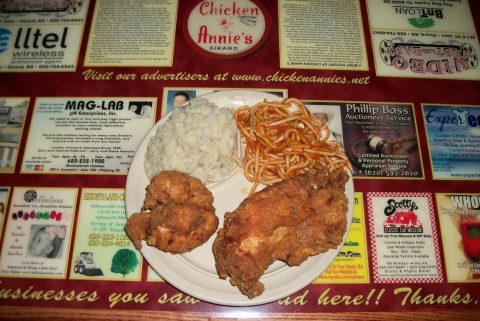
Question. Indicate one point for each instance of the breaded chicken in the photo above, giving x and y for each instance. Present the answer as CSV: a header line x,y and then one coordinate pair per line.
x,y
138,228
176,187
287,221
180,227
177,214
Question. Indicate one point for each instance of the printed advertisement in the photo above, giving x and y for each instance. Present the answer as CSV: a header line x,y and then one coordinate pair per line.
x,y
102,249
38,232
86,135
453,135
459,216
418,38
340,45
132,33
4,191
404,238
12,116
381,140
351,263
41,35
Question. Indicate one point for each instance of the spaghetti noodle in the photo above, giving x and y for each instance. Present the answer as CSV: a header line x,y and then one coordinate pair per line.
x,y
283,140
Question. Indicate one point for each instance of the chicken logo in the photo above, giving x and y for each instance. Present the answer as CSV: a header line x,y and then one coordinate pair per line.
x,y
226,29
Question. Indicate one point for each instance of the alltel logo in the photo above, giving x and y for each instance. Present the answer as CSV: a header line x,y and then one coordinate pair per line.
x,y
44,42
4,37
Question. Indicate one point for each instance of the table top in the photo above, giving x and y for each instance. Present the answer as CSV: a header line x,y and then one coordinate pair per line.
x,y
82,83
16,313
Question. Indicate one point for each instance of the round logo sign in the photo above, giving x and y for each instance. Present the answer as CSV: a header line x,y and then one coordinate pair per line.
x,y
226,29
30,196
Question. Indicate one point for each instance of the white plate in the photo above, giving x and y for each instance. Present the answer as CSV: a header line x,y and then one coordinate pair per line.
x,y
194,273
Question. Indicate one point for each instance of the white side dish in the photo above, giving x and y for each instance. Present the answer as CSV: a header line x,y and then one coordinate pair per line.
x,y
206,154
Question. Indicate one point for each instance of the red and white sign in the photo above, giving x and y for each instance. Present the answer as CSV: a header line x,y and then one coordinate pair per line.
x,y
226,29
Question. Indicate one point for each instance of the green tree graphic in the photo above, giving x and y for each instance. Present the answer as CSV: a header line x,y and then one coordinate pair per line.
x,y
421,23
124,262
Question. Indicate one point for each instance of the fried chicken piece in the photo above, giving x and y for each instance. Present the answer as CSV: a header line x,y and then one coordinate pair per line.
x,y
138,228
177,187
179,227
287,221
177,215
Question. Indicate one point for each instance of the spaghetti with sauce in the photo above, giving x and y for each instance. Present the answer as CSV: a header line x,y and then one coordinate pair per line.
x,y
283,140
